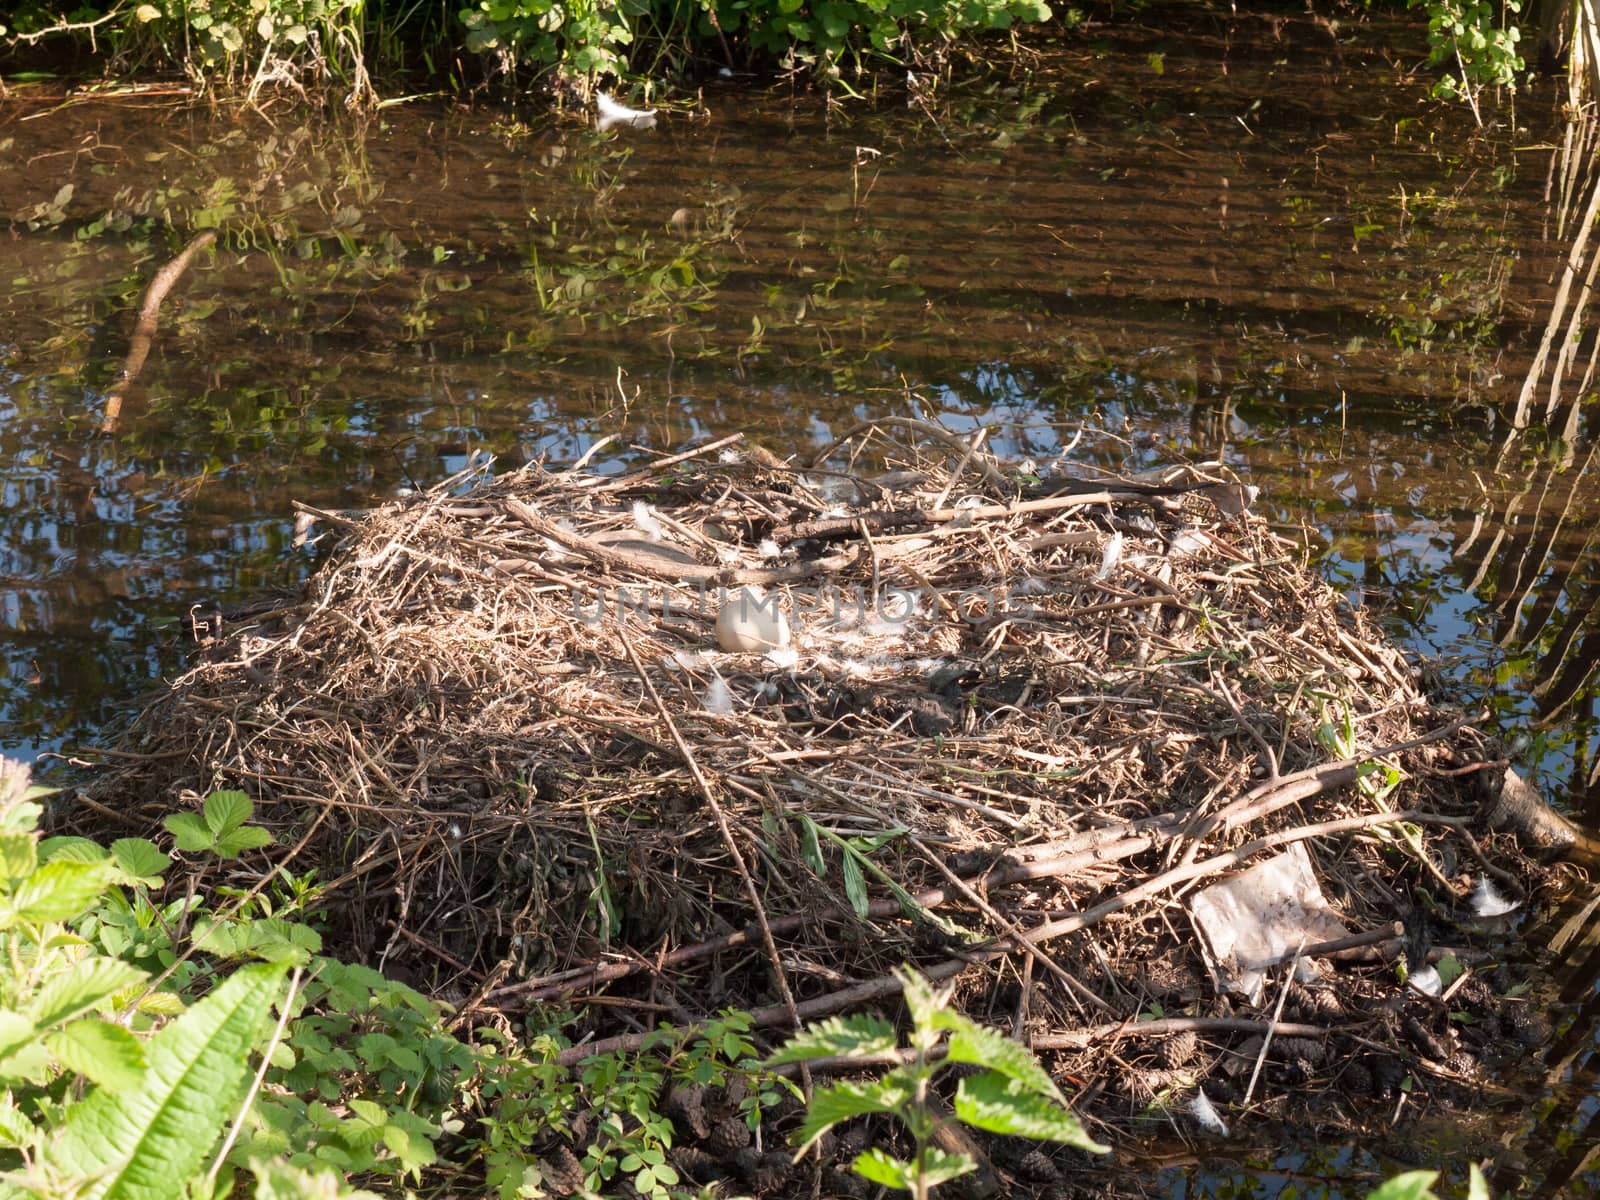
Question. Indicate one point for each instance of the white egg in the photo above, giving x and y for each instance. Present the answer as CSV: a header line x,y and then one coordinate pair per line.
x,y
750,623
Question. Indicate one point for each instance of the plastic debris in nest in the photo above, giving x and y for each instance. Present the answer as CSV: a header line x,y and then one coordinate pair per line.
x,y
1258,918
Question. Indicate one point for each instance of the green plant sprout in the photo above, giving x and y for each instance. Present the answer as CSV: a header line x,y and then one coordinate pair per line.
x,y
222,831
1338,738
1418,1185
1011,1095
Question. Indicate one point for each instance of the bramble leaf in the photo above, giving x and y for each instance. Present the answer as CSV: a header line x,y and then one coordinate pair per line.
x,y
18,856
100,1051
189,832
81,986
59,891
247,837
226,811
140,859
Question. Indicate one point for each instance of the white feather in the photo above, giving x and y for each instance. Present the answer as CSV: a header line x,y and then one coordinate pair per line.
x,y
1206,1116
719,698
612,113
1189,541
1486,902
645,519
783,657
1111,557
768,548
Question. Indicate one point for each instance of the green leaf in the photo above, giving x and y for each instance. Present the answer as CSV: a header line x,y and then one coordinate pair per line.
x,y
841,1101
248,837
996,1104
939,1167
883,1168
923,1002
1449,968
15,1029
134,1145
412,1149
838,1037
98,1050
189,832
71,849
280,1181
83,985
1410,1185
18,856
972,1043
855,884
59,891
227,811
15,1128
1477,1186
811,848
140,860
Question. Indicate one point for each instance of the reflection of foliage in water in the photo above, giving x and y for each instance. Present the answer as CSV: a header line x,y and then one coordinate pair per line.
x,y
382,301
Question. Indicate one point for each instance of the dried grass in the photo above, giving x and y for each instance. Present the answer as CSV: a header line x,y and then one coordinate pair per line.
x,y
1056,744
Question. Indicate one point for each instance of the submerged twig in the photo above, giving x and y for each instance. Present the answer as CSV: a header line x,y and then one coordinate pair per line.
x,y
144,331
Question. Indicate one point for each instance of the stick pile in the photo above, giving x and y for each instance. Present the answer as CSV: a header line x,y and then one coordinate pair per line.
x,y
1018,717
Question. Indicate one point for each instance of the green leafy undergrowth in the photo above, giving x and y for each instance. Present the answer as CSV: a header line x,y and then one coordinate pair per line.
x,y
528,1096
112,1083
1418,1185
1011,1094
153,1049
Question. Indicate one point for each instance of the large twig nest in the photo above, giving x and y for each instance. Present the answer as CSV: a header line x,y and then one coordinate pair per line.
x,y
985,674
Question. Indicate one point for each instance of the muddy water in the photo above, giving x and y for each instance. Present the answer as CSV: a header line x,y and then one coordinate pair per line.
x,y
1253,240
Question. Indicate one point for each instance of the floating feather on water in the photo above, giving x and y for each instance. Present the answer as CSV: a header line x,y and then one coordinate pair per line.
x,y
1206,1116
613,113
1486,902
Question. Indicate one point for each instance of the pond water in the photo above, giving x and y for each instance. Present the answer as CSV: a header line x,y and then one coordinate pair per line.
x,y
1253,240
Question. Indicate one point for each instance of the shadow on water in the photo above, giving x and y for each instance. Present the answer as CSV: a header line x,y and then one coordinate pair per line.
x,y
1251,239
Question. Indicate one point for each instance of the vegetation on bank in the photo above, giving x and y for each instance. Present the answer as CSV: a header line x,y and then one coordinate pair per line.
x,y
296,42
455,43
153,1048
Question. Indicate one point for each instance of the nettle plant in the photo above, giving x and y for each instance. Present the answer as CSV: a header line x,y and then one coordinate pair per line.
x,y
528,1096
1011,1094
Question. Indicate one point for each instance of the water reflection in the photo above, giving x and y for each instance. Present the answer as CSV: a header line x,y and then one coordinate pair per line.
x,y
1095,245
